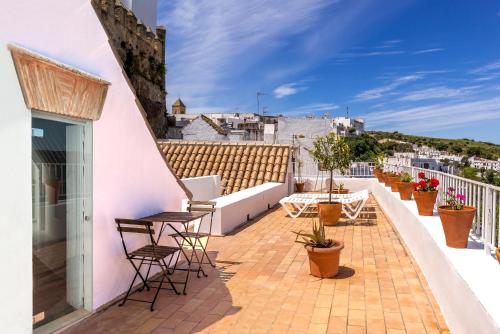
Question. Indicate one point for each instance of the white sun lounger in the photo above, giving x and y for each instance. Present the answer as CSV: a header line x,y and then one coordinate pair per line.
x,y
352,204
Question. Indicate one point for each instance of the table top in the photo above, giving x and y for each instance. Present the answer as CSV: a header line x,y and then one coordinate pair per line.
x,y
175,216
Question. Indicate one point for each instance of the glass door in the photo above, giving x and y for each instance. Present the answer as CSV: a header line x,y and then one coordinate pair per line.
x,y
60,175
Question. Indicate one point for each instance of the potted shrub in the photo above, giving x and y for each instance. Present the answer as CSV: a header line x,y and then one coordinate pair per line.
x,y
394,179
324,254
341,189
425,193
331,152
378,159
405,186
390,177
456,218
299,185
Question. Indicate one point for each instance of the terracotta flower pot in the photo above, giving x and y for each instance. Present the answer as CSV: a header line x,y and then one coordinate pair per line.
x,y
393,180
389,179
382,177
329,213
498,254
324,262
405,190
340,191
456,224
425,202
299,186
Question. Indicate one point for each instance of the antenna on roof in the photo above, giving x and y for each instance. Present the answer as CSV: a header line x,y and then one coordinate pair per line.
x,y
347,112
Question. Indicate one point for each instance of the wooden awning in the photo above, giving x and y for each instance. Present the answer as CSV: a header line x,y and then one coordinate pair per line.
x,y
56,88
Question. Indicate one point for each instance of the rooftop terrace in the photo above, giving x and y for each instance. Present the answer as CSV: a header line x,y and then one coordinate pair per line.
x,y
262,285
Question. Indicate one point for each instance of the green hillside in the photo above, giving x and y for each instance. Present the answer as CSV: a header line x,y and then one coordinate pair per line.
x,y
468,147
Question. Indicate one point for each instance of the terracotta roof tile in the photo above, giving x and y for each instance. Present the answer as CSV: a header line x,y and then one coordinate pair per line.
x,y
240,165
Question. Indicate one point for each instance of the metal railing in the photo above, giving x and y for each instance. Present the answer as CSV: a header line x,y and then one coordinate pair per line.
x,y
484,197
357,169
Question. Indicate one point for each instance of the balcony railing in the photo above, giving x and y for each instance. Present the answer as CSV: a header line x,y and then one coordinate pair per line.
x,y
483,196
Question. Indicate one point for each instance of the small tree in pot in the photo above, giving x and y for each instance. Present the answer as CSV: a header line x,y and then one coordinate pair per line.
x,y
299,185
405,186
456,218
324,254
425,194
332,153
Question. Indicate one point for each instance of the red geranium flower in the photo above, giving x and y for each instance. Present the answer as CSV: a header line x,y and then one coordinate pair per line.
x,y
415,185
422,183
421,175
434,182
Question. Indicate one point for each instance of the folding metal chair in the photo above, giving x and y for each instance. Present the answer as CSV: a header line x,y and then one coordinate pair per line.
x,y
196,236
151,254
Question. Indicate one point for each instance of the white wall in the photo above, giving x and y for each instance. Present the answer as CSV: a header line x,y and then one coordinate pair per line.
x,y
198,129
15,200
130,177
234,209
203,188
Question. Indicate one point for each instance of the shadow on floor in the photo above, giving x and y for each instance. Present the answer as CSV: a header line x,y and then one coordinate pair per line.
x,y
208,300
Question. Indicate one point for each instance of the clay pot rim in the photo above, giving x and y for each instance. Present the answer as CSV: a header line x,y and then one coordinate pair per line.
x,y
467,208
339,245
299,182
408,183
429,191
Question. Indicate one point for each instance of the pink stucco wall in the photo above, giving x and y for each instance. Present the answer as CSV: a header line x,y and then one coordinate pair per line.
x,y
130,178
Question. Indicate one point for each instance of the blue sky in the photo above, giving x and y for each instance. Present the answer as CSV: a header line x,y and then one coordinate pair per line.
x,y
419,67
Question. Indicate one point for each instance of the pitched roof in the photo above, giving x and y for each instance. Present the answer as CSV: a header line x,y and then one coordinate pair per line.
x,y
240,165
178,102
214,125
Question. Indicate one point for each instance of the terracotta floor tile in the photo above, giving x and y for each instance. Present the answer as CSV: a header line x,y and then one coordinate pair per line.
x,y
262,285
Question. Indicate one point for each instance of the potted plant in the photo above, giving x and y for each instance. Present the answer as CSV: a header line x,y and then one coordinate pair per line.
x,y
394,179
456,218
498,254
324,254
331,152
390,178
378,159
405,186
299,185
425,193
341,189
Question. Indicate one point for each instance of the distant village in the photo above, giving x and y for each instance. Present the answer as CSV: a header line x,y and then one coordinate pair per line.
x,y
300,133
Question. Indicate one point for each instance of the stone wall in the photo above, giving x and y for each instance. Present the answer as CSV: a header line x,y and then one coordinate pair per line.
x,y
142,53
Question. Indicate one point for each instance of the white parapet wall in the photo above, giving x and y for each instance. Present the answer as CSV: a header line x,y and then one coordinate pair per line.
x,y
236,209
203,188
465,282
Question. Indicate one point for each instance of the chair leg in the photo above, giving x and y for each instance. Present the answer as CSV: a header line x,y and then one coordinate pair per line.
x,y
204,248
157,292
137,273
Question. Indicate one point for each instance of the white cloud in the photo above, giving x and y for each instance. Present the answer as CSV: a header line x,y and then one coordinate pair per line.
x,y
437,93
434,117
371,54
487,68
376,93
287,90
211,40
427,51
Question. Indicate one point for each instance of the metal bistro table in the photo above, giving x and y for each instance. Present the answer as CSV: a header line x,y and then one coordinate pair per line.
x,y
166,219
